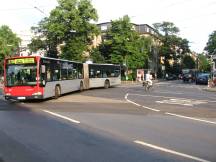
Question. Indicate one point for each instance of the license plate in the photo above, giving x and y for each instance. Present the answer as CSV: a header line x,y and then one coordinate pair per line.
x,y
21,98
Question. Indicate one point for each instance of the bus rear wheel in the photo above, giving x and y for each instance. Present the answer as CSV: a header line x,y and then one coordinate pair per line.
x,y
106,84
57,92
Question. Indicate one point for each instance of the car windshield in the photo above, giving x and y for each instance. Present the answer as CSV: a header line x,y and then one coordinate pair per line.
x,y
21,75
204,74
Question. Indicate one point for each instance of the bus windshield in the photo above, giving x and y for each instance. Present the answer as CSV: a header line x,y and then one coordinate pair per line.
x,y
21,75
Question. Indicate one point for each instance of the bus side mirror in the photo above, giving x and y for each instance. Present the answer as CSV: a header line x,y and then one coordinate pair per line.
x,y
43,83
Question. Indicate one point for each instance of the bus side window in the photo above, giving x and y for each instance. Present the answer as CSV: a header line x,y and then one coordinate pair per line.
x,y
104,74
43,72
117,72
55,70
70,70
91,73
64,70
75,73
48,75
80,71
98,74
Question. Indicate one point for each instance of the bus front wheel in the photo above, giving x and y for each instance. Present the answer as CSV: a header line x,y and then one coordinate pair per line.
x,y
106,84
57,92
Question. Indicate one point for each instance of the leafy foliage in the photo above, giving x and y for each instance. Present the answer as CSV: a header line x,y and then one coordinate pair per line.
x,y
9,43
124,46
211,44
188,62
168,28
203,63
68,24
173,48
37,44
96,56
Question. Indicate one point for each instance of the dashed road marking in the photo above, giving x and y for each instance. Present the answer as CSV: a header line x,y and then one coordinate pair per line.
x,y
170,151
191,118
61,116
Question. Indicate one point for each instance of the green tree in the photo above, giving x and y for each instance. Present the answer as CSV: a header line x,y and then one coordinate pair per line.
x,y
203,63
9,43
37,44
211,44
168,28
124,46
173,47
68,24
96,56
188,62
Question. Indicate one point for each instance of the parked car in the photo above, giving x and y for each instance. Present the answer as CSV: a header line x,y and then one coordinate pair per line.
x,y
171,77
188,77
202,78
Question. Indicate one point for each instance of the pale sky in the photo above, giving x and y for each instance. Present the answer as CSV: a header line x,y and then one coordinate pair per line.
x,y
195,18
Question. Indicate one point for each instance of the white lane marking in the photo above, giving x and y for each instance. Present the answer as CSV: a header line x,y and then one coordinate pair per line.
x,y
170,151
139,104
191,118
63,117
131,101
150,108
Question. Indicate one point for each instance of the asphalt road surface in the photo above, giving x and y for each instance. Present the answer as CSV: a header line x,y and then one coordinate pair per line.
x,y
173,122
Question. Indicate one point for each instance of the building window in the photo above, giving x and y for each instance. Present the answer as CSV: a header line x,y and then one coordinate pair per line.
x,y
104,27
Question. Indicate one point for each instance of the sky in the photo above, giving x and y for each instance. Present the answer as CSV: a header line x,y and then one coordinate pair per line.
x,y
196,19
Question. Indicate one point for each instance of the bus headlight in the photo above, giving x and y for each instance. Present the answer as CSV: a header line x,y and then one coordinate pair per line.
x,y
36,94
7,94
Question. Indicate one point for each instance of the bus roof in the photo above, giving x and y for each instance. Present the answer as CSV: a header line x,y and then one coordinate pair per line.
x,y
15,57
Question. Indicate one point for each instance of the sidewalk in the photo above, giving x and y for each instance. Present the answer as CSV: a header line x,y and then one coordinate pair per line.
x,y
210,89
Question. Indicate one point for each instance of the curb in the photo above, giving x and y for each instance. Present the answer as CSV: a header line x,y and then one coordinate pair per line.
x,y
210,89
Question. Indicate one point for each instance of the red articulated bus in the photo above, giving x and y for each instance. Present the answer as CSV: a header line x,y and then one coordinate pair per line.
x,y
36,77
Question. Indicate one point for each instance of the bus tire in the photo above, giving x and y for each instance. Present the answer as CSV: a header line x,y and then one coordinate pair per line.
x,y
57,92
106,84
81,86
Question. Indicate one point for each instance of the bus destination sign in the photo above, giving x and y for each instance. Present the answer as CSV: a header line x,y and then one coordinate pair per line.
x,y
22,61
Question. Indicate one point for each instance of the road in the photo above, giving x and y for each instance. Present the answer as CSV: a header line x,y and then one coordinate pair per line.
x,y
174,122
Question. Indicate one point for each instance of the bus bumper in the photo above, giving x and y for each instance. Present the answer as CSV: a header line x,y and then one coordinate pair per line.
x,y
24,97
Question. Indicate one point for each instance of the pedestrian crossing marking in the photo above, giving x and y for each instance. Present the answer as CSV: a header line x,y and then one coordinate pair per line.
x,y
184,102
